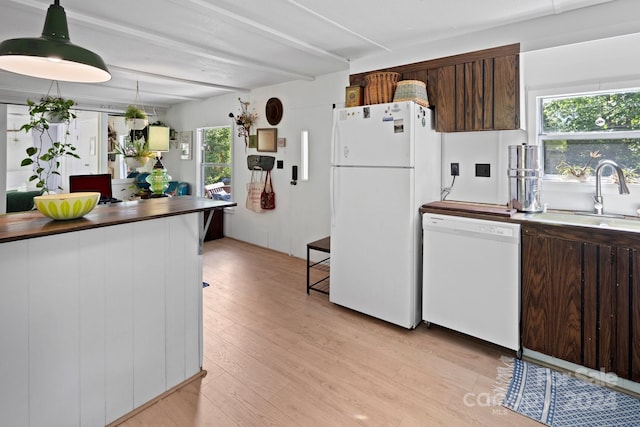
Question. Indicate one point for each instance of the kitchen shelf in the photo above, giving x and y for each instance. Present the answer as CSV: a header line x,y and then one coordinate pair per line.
x,y
322,285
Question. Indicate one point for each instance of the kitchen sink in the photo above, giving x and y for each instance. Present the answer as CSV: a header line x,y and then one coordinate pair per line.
x,y
585,219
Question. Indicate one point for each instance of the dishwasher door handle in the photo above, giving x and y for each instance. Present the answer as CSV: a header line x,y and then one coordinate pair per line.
x,y
514,236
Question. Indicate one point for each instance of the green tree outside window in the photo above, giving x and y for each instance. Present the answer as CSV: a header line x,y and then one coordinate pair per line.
x,y
574,126
216,156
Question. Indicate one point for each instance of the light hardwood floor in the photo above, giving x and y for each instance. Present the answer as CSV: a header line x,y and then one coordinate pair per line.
x,y
277,356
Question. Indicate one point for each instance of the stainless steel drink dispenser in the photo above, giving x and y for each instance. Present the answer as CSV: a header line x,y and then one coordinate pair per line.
x,y
524,178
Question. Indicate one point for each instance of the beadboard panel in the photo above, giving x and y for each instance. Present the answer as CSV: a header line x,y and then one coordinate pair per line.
x,y
54,331
104,321
14,334
95,259
119,322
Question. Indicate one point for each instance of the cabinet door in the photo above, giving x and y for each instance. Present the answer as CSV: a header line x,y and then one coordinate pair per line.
x,y
581,298
446,95
506,92
634,303
535,313
551,296
591,331
600,333
624,316
479,95
612,310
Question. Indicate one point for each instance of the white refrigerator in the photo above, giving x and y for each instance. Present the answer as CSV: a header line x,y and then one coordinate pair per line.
x,y
385,166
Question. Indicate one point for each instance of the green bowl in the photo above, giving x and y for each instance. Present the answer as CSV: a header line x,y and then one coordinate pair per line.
x,y
66,206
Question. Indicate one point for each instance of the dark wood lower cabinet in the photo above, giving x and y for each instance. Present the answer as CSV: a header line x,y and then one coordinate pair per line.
x,y
552,300
216,227
581,296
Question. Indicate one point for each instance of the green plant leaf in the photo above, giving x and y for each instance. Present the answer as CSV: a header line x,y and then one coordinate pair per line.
x,y
47,162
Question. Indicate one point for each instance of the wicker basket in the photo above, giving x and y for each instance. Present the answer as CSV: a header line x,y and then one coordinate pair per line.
x,y
411,90
380,87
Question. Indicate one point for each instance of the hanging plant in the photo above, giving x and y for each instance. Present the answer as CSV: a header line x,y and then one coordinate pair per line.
x,y
46,161
134,112
244,121
135,118
136,153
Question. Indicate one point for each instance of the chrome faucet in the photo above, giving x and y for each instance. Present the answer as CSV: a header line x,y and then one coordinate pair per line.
x,y
622,183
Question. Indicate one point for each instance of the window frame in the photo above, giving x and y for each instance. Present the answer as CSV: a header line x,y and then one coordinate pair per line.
x,y
541,136
203,165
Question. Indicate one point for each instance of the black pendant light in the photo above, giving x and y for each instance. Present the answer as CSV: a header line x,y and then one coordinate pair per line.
x,y
52,56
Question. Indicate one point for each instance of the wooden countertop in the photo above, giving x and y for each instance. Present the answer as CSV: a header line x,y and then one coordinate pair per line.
x,y
468,209
27,225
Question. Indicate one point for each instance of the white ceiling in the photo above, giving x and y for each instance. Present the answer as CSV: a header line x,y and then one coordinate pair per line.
x,y
183,50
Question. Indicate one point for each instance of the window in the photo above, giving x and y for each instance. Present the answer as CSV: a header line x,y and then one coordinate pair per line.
x,y
216,160
576,131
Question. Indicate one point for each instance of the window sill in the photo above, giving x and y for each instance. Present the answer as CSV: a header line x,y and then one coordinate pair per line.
x,y
590,182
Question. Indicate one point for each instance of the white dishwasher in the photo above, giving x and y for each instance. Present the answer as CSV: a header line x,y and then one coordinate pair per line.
x,y
471,277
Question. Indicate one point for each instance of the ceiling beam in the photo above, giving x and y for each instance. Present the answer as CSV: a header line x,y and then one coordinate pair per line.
x,y
289,39
165,42
337,25
177,79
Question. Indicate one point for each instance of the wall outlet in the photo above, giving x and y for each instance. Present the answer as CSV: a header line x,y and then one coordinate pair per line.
x,y
483,169
455,169
280,164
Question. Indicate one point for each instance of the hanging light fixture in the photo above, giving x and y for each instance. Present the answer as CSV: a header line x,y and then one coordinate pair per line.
x,y
158,179
52,56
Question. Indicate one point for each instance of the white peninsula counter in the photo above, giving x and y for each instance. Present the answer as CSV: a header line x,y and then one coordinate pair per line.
x,y
102,314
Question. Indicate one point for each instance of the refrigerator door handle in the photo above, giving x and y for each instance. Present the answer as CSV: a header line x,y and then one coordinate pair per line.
x,y
332,196
334,138
334,154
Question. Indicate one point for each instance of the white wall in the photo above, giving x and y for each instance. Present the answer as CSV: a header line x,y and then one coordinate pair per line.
x,y
469,148
302,211
558,52
85,132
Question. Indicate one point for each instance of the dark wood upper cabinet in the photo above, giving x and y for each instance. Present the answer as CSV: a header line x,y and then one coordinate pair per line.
x,y
469,92
446,98
506,92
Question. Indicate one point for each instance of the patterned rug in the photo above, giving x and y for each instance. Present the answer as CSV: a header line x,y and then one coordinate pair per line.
x,y
561,400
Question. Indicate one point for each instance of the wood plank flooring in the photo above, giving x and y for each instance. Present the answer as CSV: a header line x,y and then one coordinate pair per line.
x,y
276,356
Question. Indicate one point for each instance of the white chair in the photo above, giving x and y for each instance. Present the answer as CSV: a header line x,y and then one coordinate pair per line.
x,y
216,191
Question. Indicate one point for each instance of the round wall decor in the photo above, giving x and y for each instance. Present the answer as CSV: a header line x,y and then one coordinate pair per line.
x,y
273,111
